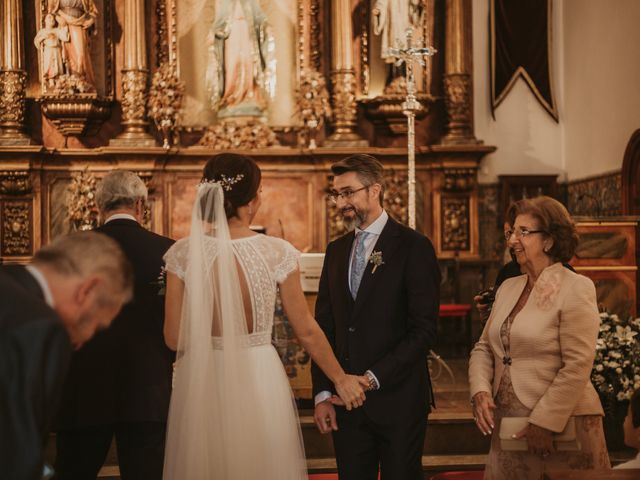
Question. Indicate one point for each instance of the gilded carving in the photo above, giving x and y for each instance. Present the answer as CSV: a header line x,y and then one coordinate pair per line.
x,y
344,101
315,34
76,114
455,223
162,47
82,211
12,98
229,134
16,238
459,179
134,95
458,102
15,183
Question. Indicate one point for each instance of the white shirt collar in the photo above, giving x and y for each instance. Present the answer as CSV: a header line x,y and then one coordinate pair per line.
x,y
120,216
378,225
46,291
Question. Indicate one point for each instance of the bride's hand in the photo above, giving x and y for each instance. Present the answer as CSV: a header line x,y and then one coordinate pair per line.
x,y
351,389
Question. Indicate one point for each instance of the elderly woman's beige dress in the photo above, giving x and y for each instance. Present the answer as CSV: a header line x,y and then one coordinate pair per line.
x,y
525,466
537,364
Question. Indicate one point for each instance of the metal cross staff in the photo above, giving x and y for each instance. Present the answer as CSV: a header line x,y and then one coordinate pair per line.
x,y
409,55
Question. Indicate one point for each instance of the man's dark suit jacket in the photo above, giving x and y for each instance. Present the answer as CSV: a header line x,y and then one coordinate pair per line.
x,y
124,373
34,355
390,326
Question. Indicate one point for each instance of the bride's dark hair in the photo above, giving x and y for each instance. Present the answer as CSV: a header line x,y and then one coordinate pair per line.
x,y
239,176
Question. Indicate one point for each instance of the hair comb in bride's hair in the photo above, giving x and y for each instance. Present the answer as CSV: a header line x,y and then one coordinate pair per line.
x,y
225,182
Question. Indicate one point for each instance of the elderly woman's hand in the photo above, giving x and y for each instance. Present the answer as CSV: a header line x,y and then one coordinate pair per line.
x,y
483,408
539,439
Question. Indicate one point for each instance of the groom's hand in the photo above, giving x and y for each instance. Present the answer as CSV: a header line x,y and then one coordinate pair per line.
x,y
325,417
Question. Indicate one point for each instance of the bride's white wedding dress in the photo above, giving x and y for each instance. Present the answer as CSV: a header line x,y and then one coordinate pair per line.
x,y
232,414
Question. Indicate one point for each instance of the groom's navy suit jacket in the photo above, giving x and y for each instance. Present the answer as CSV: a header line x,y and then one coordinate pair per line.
x,y
123,374
390,326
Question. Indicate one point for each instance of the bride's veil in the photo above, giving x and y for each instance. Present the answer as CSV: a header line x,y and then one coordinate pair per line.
x,y
213,430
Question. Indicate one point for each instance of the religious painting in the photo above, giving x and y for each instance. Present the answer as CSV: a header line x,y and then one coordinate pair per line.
x,y
238,59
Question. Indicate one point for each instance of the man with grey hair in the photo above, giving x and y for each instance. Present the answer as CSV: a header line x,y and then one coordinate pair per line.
x,y
119,384
74,287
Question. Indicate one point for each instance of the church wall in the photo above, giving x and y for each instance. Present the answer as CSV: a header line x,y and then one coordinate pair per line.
x,y
602,74
595,76
529,140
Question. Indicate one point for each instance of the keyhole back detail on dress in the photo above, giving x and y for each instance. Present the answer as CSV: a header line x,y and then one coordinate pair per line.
x,y
245,293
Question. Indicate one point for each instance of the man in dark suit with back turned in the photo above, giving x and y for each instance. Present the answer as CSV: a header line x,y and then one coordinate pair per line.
x,y
378,305
120,382
74,287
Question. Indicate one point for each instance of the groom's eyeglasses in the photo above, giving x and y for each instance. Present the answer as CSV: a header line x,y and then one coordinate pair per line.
x,y
344,195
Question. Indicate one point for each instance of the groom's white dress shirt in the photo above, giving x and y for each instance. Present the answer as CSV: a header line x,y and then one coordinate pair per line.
x,y
374,230
120,216
42,282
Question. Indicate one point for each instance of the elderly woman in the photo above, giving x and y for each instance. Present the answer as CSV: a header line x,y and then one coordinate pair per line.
x,y
536,352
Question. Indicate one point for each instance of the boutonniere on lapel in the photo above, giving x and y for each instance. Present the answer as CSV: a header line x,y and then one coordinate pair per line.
x,y
161,281
376,260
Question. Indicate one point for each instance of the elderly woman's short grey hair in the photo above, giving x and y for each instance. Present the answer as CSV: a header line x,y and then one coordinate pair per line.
x,y
120,189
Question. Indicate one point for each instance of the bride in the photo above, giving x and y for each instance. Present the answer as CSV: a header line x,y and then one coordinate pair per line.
x,y
232,413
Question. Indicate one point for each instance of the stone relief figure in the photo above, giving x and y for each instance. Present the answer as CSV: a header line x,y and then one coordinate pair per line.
x,y
50,39
391,19
241,62
80,18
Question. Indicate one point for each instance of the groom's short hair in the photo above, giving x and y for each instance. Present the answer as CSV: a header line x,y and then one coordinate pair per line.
x,y
367,167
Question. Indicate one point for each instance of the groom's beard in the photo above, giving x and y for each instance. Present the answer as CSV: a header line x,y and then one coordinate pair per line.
x,y
356,218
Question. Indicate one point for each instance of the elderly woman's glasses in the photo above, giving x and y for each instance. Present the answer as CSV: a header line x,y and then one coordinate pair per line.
x,y
344,195
521,232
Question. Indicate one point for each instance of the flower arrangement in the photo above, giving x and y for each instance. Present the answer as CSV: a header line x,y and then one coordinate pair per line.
x,y
165,101
82,212
312,102
616,370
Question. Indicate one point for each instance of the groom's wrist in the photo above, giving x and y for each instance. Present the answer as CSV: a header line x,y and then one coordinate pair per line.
x,y
374,384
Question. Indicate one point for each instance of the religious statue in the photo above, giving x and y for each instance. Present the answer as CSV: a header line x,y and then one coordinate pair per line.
x,y
50,39
80,17
241,62
391,20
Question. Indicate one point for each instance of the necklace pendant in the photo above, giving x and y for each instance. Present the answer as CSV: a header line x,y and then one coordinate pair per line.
x,y
506,360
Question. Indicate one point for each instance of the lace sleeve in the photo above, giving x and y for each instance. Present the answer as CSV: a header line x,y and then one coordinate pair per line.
x,y
288,262
176,258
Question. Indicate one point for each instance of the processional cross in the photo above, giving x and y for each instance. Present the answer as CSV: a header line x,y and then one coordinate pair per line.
x,y
409,55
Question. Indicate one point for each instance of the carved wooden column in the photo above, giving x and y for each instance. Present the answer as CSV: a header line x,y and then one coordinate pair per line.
x,y
135,75
458,83
343,78
13,77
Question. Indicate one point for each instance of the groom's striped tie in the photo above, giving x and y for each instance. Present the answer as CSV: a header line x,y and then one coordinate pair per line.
x,y
358,263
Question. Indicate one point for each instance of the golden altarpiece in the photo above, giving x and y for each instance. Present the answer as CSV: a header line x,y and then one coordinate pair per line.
x,y
70,112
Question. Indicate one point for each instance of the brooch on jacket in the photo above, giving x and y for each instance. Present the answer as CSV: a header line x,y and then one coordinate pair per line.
x,y
546,289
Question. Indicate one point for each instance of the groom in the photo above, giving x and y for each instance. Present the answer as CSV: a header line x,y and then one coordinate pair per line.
x,y
378,305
